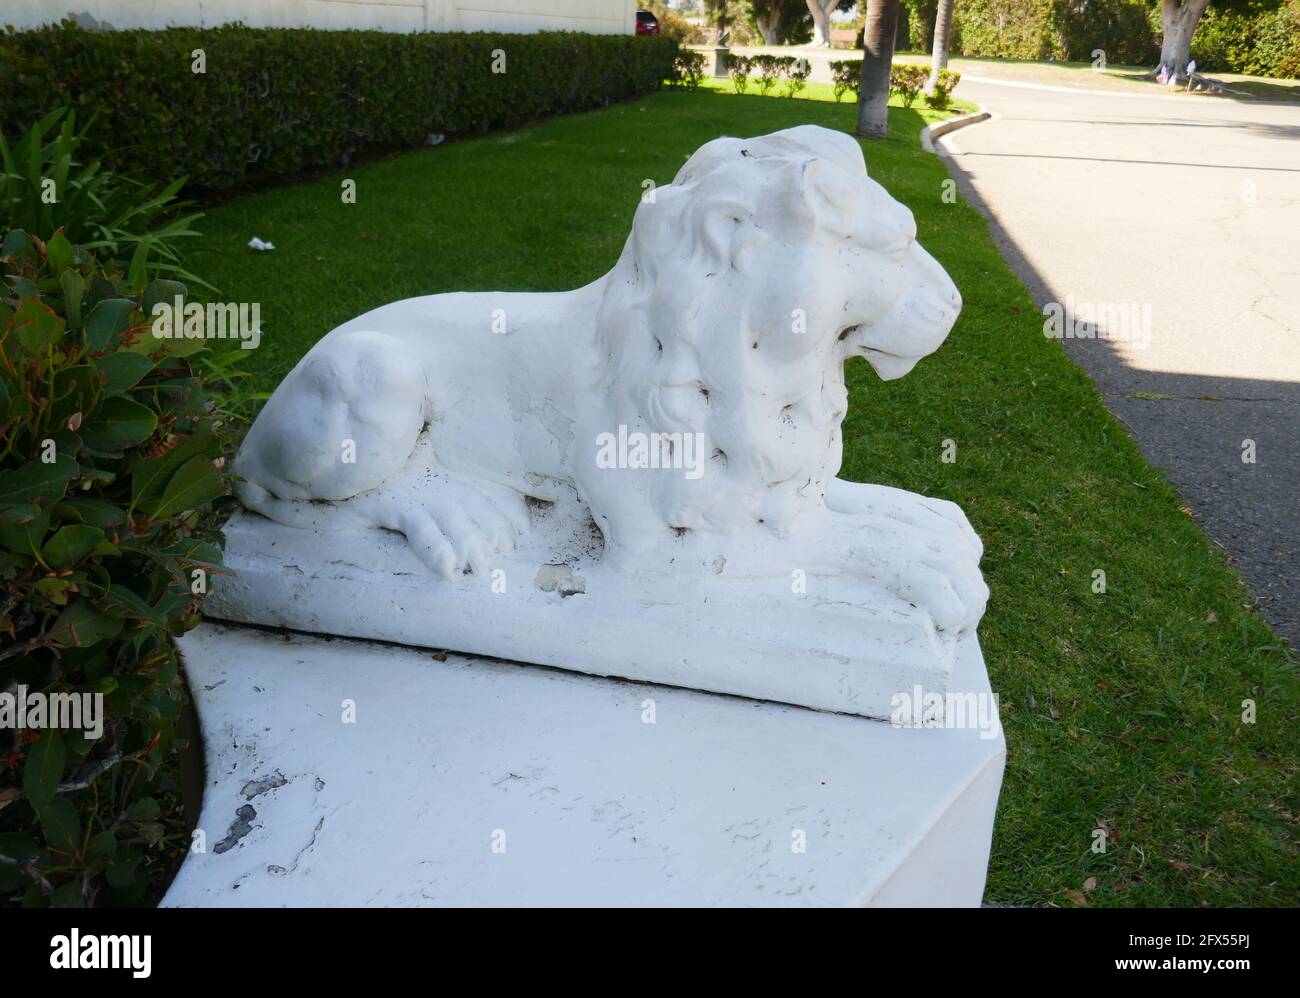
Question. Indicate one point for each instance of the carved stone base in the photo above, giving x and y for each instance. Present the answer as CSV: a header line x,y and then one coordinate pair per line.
x,y
473,782
838,646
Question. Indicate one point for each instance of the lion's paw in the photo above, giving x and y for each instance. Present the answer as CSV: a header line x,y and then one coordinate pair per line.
x,y
938,517
933,567
952,590
455,526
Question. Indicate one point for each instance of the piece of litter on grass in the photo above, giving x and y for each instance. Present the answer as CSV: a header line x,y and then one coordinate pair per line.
x,y
258,244
434,139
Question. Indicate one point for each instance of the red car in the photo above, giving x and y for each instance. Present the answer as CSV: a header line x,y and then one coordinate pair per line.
x,y
646,23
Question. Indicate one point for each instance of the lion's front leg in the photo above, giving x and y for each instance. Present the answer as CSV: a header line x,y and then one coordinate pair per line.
x,y
940,517
921,550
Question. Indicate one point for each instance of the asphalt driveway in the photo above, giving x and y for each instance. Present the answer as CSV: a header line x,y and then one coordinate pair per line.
x,y
1175,221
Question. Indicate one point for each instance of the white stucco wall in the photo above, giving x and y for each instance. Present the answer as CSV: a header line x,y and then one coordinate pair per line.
x,y
595,16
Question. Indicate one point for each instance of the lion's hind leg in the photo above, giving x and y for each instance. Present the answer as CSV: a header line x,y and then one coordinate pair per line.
x,y
350,441
452,522
344,421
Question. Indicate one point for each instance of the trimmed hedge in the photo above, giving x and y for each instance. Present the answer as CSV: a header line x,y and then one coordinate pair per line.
x,y
273,103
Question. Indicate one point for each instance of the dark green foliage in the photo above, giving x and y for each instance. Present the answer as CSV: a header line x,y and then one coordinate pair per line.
x,y
688,69
47,184
1253,37
769,71
907,81
940,95
111,466
847,74
274,103
738,67
796,70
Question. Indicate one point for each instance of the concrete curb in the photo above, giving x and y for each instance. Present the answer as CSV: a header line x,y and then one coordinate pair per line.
x,y
1178,94
931,132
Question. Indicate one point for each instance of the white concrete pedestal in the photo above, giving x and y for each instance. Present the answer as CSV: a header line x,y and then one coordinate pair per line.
x,y
477,782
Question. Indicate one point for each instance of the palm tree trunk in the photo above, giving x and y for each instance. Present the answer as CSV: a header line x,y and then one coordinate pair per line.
x,y
877,60
942,37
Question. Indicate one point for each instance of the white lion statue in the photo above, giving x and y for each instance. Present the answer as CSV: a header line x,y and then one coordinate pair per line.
x,y
691,398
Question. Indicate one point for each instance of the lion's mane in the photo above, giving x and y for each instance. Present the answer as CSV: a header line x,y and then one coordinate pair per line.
x,y
694,332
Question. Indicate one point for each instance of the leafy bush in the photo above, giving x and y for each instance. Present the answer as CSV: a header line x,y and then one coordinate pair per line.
x,y
920,24
847,74
796,74
688,69
738,67
1259,38
273,103
1120,28
46,187
1010,29
908,81
769,72
940,95
111,468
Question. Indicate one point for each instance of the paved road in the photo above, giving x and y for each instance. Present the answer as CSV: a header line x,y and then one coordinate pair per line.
x,y
1188,207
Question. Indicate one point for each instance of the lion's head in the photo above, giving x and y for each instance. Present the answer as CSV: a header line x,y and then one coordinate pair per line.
x,y
742,290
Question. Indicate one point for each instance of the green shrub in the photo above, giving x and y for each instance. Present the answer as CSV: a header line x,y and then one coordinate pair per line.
x,y
1010,29
769,72
939,96
847,74
738,67
688,69
111,468
796,71
908,81
920,23
46,187
274,103
1260,38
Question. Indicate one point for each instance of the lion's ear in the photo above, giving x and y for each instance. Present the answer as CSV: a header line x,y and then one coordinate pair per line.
x,y
829,195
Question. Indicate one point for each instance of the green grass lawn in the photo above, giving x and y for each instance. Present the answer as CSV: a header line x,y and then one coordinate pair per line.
x,y
1122,710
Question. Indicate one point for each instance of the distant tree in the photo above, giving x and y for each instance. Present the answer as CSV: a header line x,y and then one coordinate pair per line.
x,y
877,61
778,21
821,15
672,24
721,14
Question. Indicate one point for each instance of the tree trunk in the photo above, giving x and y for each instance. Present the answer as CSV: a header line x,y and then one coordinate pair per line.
x,y
877,60
769,25
1179,21
942,36
821,15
